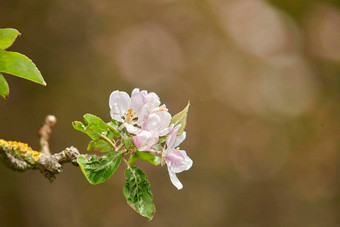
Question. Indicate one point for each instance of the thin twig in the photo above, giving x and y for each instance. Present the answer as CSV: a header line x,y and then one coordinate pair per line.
x,y
20,157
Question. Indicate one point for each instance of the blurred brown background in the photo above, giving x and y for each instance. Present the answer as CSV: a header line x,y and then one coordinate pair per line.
x,y
263,132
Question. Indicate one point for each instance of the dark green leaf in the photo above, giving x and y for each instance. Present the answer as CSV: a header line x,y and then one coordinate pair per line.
x,y
151,158
181,118
19,65
7,37
98,171
4,89
137,192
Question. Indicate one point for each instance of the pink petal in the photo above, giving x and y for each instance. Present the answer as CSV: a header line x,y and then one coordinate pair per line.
x,y
145,140
171,139
177,160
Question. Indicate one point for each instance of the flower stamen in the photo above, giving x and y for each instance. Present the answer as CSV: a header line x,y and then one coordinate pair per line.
x,y
129,116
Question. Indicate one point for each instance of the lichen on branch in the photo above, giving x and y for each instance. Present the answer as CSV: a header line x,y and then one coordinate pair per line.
x,y
20,156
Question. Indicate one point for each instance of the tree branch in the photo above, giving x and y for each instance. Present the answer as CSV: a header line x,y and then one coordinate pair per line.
x,y
20,157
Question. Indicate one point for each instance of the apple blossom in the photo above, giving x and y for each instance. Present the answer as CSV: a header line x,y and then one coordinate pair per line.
x,y
177,160
142,115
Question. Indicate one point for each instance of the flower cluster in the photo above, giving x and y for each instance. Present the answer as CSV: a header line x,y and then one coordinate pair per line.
x,y
149,122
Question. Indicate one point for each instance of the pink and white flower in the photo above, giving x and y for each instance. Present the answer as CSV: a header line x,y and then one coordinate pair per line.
x,y
141,115
125,109
177,160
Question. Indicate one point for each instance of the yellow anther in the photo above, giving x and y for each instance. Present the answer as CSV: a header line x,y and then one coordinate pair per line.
x,y
129,116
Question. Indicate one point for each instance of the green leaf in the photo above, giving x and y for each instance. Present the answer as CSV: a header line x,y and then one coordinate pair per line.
x,y
151,158
7,37
95,123
94,127
4,89
127,141
113,126
19,65
98,171
137,192
99,145
181,118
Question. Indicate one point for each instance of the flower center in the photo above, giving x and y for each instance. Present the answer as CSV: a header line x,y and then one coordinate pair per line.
x,y
129,116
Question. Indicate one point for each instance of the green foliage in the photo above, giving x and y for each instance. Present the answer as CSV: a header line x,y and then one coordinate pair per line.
x,y
102,134
7,37
113,125
127,141
4,89
98,171
151,158
137,192
99,145
14,63
181,118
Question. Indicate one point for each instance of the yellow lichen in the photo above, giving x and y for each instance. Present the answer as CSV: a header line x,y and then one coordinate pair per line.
x,y
22,150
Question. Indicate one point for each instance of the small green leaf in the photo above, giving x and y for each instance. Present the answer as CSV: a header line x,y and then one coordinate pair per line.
x,y
19,65
151,158
98,171
113,126
181,118
137,192
94,127
4,89
99,145
133,158
95,123
127,141
7,37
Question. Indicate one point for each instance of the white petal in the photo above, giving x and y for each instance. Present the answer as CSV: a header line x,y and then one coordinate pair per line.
x,y
175,180
166,130
138,100
121,99
180,139
171,139
152,123
116,113
165,119
144,114
132,129
153,99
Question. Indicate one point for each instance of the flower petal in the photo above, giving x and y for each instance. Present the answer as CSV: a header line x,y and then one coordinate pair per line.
x,y
177,160
132,129
174,180
116,113
153,99
144,114
138,100
180,139
120,101
145,140
171,139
